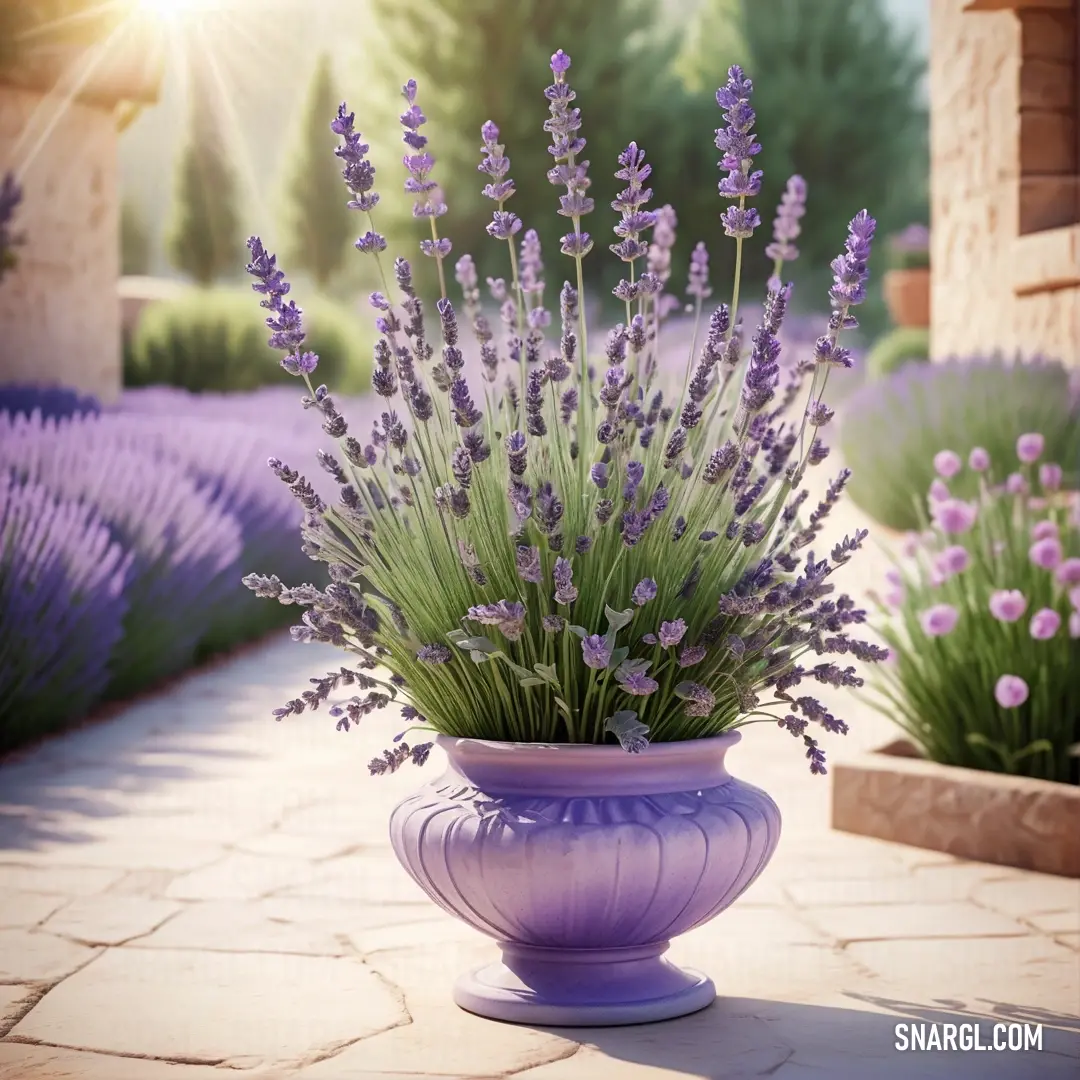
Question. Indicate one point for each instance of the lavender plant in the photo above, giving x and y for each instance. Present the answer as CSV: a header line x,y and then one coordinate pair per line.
x,y
893,426
593,555
982,619
184,543
62,604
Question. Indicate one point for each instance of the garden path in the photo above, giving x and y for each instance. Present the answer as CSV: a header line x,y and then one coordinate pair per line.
x,y
189,888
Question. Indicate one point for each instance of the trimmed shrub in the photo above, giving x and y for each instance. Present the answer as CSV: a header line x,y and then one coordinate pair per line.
x,y
892,428
216,339
184,542
891,351
62,605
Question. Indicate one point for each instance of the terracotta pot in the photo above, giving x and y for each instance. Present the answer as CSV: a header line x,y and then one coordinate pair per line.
x,y
907,293
583,862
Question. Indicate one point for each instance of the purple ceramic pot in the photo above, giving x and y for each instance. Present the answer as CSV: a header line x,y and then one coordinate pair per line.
x,y
583,862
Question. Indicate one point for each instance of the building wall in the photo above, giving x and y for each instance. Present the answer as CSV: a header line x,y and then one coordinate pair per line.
x,y
59,308
982,252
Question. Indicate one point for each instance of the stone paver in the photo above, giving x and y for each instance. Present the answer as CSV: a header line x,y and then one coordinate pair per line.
x,y
110,919
253,922
35,956
214,1007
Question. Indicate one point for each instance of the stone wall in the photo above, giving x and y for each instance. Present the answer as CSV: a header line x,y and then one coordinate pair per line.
x,y
59,309
1004,165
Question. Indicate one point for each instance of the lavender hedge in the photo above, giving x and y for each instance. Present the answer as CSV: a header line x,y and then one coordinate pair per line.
x,y
51,401
184,542
63,600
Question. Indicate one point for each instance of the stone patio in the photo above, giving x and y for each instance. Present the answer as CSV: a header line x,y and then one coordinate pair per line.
x,y
188,888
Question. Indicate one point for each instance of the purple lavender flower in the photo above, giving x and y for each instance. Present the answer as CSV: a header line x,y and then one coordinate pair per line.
x,y
979,460
953,515
633,220
599,475
507,615
698,278
850,270
786,227
434,654
286,322
496,165
738,145
566,144
563,573
644,591
692,655
700,700
596,652
636,683
671,633
358,174
1068,573
528,563
552,624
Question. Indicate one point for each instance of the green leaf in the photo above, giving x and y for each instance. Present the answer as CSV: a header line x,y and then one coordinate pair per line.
x,y
630,732
456,635
479,644
517,669
637,666
478,657
618,656
579,630
1039,746
532,682
566,710
684,689
547,672
617,619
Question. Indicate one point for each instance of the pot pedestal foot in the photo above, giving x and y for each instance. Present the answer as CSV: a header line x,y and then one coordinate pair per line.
x,y
583,987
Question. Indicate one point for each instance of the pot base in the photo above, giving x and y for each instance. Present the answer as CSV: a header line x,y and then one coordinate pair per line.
x,y
583,987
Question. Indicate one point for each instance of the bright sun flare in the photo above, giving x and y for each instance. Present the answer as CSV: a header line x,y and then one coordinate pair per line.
x,y
174,8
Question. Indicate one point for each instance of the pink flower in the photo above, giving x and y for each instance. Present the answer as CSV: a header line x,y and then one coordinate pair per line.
x,y
910,545
947,464
1050,476
1029,447
1068,573
954,559
894,577
1016,484
1045,623
1010,691
939,491
1046,553
1043,530
1074,598
1074,624
954,515
979,459
895,598
1007,605
939,620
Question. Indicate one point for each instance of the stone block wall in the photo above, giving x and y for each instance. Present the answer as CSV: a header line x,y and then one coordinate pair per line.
x,y
1005,178
59,308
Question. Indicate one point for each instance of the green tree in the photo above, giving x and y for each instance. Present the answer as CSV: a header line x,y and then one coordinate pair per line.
x,y
319,222
478,60
837,96
205,240
135,242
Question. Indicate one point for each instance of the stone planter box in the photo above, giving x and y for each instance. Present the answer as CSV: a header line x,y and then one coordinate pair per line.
x,y
907,294
894,794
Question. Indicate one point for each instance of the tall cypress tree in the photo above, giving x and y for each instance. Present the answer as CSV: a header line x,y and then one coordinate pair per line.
x,y
205,241
479,60
318,219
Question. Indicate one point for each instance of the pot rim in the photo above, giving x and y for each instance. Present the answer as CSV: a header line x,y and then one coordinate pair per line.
x,y
576,770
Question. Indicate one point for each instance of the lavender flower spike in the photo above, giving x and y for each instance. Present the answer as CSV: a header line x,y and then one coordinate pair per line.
x,y
634,220
566,144
428,200
698,283
786,227
738,145
508,616
850,270
286,322
11,195
496,165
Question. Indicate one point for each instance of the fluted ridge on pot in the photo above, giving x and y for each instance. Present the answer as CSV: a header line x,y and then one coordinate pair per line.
x,y
585,862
